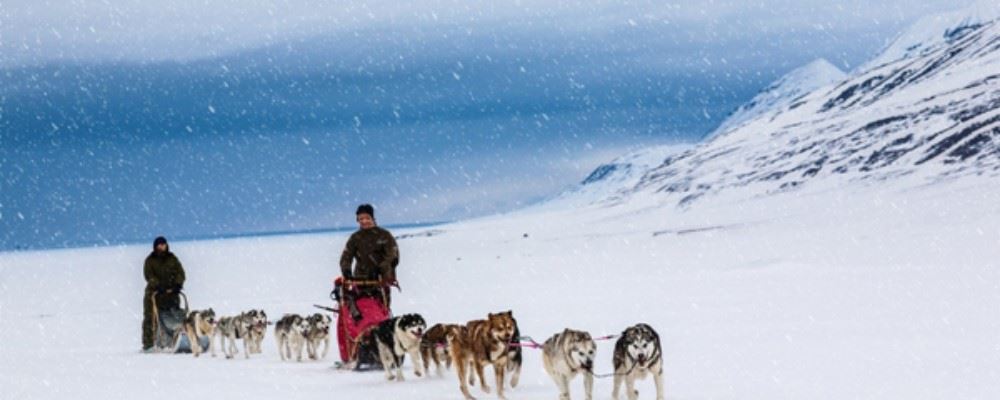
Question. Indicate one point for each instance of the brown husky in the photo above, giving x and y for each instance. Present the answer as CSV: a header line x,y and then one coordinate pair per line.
x,y
484,342
434,346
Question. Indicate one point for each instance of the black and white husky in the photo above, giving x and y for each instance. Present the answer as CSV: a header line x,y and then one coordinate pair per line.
x,y
290,331
514,357
258,327
396,337
232,329
567,354
318,333
638,353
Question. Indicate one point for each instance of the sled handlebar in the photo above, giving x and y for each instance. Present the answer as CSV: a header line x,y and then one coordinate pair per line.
x,y
362,282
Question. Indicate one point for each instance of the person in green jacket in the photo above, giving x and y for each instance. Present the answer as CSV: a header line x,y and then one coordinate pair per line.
x,y
164,279
371,249
371,254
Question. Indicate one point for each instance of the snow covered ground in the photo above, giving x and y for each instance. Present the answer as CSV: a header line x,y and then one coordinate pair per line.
x,y
845,292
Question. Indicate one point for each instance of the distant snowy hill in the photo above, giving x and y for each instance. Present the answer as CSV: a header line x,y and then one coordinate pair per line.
x,y
608,179
931,115
782,93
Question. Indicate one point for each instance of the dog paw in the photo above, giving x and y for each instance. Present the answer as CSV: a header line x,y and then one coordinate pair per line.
x,y
418,373
486,388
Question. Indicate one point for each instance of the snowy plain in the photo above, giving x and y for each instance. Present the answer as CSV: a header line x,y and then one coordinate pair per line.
x,y
864,292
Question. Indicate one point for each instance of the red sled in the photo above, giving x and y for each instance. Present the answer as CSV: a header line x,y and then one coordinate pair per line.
x,y
371,298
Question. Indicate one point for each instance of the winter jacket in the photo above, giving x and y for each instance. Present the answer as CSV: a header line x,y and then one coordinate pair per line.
x,y
163,271
374,254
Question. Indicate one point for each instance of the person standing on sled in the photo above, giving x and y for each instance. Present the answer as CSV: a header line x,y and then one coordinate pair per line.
x,y
373,253
164,279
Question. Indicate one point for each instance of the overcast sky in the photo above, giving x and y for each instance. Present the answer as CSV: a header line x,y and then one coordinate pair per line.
x,y
33,31
123,120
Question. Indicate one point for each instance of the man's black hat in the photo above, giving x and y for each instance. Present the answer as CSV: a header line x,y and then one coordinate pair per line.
x,y
366,209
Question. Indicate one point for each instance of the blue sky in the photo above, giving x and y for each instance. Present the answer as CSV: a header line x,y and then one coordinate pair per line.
x,y
123,120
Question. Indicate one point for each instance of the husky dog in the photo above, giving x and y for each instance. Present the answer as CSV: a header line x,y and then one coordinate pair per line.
x,y
637,353
397,337
258,326
290,331
319,332
233,328
434,346
198,324
567,354
485,341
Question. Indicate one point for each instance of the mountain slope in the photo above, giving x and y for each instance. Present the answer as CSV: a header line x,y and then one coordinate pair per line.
x,y
783,92
927,117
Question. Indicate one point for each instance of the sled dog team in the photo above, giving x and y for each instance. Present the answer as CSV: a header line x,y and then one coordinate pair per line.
x,y
470,347
292,331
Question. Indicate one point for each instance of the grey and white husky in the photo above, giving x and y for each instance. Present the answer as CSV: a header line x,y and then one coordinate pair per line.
x,y
567,354
318,333
258,327
232,329
290,331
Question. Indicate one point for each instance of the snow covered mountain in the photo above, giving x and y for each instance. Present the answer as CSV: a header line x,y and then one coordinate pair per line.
x,y
783,93
933,30
931,115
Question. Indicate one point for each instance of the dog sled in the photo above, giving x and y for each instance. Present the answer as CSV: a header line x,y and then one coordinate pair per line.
x,y
360,306
169,327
